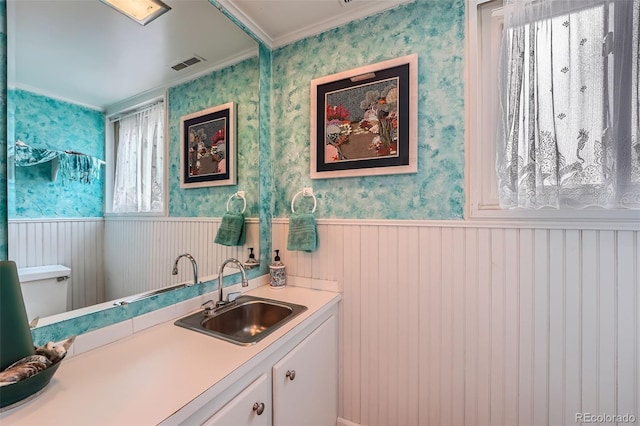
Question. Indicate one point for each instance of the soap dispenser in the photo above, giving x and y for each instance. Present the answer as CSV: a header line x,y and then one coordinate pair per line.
x,y
277,272
252,261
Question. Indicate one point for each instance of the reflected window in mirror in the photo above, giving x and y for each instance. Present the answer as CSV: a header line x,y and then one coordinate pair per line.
x,y
138,144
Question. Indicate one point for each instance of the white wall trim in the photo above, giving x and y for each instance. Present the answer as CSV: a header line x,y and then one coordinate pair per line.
x,y
173,219
127,218
603,225
373,8
57,219
320,27
52,95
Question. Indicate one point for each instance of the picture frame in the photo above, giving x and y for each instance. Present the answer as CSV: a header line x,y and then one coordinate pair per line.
x,y
208,147
364,120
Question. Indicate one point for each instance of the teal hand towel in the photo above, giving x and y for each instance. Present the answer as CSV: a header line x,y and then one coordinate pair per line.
x,y
303,233
15,335
232,230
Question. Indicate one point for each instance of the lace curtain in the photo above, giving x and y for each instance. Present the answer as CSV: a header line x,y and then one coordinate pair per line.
x,y
139,173
569,104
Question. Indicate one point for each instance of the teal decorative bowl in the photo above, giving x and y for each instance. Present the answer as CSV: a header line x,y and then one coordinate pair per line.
x,y
17,393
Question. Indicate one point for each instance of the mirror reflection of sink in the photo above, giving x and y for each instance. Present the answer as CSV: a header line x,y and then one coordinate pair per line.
x,y
249,320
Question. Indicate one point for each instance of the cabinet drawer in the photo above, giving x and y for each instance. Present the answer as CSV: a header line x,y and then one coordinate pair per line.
x,y
252,406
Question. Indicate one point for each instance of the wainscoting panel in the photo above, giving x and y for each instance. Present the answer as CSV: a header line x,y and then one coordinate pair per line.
x,y
113,258
75,243
141,252
479,325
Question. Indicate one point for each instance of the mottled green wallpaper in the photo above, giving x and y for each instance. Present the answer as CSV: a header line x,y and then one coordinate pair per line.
x,y
434,30
44,122
238,83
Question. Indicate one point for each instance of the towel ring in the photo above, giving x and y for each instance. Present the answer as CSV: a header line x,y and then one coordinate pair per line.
x,y
239,194
307,192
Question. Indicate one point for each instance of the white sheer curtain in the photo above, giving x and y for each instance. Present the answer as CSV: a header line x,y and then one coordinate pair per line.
x,y
139,173
569,112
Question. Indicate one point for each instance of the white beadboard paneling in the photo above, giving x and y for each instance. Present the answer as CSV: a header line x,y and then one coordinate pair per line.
x,y
525,327
483,353
589,355
607,313
408,343
162,240
471,337
371,318
352,326
541,328
75,243
511,329
389,301
451,324
101,270
457,336
627,324
572,331
556,348
497,326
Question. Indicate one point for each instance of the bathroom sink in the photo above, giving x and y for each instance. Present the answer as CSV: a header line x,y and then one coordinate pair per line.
x,y
247,321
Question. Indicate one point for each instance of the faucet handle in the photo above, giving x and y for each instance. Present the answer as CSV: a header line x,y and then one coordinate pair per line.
x,y
209,308
231,297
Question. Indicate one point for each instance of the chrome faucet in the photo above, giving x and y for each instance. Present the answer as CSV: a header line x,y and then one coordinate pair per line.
x,y
193,263
245,283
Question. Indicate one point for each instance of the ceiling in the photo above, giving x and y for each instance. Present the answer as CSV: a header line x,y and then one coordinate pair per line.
x,y
85,52
280,22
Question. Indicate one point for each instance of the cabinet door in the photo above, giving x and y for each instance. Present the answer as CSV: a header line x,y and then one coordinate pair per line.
x,y
305,381
250,407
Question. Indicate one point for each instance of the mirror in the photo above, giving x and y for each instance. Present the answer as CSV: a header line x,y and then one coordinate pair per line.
x,y
54,103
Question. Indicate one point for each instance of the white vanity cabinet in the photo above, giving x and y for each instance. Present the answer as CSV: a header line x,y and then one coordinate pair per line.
x,y
296,386
305,381
190,378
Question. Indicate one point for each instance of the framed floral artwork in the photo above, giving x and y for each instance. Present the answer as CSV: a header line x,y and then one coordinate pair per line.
x,y
208,147
364,121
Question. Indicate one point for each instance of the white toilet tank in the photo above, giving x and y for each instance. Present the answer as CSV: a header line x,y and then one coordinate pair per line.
x,y
44,289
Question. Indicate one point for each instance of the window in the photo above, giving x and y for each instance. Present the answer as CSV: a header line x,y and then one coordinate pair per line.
x,y
139,148
570,132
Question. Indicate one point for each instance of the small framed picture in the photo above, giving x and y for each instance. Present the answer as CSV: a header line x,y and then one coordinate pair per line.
x,y
364,121
208,147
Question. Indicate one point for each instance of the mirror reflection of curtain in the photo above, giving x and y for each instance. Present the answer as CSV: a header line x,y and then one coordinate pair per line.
x,y
139,171
569,104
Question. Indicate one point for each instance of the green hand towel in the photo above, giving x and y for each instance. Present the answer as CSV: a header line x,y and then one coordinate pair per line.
x,y
303,233
15,335
232,230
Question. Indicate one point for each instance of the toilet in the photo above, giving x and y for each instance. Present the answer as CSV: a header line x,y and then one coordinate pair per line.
x,y
44,289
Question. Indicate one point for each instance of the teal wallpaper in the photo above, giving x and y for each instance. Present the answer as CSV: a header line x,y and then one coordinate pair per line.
x,y
265,155
238,83
434,30
431,28
43,122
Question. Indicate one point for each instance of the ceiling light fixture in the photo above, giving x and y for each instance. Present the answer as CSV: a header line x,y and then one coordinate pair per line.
x,y
141,11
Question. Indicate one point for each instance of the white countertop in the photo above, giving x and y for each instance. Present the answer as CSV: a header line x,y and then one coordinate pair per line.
x,y
148,376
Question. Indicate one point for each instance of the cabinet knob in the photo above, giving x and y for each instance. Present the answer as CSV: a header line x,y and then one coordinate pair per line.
x,y
258,407
291,374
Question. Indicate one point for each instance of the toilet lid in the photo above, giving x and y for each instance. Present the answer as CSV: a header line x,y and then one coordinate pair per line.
x,y
35,273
